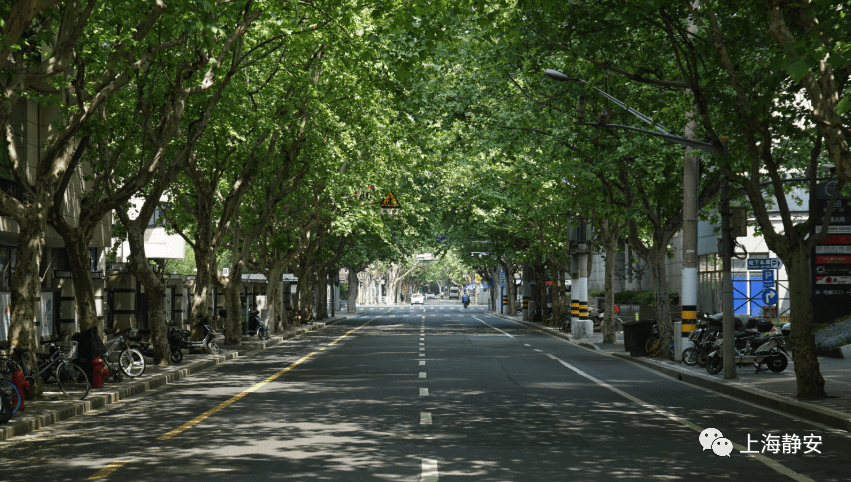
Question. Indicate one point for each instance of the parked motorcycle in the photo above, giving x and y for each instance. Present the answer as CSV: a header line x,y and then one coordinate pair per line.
x,y
208,343
256,326
756,350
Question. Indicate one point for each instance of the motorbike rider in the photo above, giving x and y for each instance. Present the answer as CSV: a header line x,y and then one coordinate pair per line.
x,y
465,299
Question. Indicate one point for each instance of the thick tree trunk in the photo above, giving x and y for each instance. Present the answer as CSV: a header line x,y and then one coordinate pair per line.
x,y
199,309
802,338
610,245
84,291
354,289
278,321
322,295
154,288
233,324
26,288
656,263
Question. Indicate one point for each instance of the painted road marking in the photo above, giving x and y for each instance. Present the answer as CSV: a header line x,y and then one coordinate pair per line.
x,y
200,418
422,354
422,348
495,328
429,471
425,418
422,344
422,374
537,350
112,467
779,468
423,392
422,362
526,344
422,339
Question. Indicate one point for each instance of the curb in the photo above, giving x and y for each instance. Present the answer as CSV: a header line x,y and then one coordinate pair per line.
x,y
826,416
40,414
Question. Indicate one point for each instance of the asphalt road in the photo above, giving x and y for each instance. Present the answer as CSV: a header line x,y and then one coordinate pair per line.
x,y
427,393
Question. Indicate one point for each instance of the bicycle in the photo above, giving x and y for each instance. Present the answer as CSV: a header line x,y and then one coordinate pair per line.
x,y
654,343
129,360
71,379
13,396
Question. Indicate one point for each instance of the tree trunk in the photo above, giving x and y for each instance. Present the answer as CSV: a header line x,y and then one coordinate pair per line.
x,y
656,264
322,295
354,290
233,324
610,245
199,308
273,290
809,379
26,288
154,288
84,291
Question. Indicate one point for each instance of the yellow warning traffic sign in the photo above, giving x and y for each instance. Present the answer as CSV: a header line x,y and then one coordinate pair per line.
x,y
390,202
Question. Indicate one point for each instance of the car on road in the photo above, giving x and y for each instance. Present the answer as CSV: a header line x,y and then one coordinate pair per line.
x,y
430,296
417,298
453,293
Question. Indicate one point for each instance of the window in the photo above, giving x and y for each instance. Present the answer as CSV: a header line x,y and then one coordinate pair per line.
x,y
158,218
93,259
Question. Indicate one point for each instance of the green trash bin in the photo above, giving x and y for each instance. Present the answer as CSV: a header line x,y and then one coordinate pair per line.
x,y
635,336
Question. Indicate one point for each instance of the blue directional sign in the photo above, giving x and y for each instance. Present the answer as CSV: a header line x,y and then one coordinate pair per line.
x,y
769,297
764,263
502,278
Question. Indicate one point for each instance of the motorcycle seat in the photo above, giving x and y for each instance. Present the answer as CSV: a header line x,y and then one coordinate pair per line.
x,y
759,341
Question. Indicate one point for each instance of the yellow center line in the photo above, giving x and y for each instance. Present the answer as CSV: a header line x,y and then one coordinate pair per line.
x,y
108,469
227,403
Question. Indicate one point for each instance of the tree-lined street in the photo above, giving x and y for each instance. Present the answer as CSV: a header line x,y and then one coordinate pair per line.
x,y
417,392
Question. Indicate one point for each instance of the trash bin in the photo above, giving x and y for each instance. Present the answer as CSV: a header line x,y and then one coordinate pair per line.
x,y
635,336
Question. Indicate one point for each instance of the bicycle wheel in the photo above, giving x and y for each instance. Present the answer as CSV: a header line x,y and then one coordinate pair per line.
x,y
654,346
714,364
5,409
12,394
132,362
689,357
618,325
72,381
213,347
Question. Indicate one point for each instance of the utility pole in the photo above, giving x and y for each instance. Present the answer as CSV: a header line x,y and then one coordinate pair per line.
x,y
688,288
728,337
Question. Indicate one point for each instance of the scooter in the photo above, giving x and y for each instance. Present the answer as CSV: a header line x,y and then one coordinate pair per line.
x,y
208,343
756,351
256,326
466,303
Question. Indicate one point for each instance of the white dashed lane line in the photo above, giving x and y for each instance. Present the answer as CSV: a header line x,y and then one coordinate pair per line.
x,y
425,418
423,392
422,374
429,471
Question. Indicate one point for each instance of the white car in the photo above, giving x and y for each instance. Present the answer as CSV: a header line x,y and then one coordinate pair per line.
x,y
417,298
430,296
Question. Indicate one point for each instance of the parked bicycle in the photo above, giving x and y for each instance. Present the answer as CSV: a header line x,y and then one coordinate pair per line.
x,y
70,377
123,358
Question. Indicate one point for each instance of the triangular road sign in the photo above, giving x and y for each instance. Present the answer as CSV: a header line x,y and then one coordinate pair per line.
x,y
389,201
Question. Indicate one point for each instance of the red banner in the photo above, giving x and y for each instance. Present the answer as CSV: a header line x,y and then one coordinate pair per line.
x,y
837,239
833,259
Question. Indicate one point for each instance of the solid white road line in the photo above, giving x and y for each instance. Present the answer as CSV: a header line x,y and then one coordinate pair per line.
x,y
429,471
423,392
495,328
537,350
425,418
781,469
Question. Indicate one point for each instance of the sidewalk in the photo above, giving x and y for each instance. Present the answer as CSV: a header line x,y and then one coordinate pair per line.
x,y
770,390
42,413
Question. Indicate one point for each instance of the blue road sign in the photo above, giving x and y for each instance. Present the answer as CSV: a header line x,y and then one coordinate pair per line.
x,y
502,278
769,297
764,263
768,275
